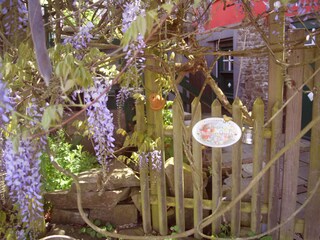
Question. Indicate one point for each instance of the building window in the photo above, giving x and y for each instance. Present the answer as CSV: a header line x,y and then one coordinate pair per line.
x,y
310,26
227,65
310,38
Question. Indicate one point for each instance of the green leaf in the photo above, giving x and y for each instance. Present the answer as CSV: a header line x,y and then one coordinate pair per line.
x,y
149,22
97,222
45,121
121,132
99,235
92,234
59,69
82,77
196,3
60,109
49,115
68,85
168,7
3,217
126,37
141,25
138,96
109,227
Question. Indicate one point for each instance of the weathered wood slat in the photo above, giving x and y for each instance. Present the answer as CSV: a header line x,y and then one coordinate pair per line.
x,y
178,164
275,182
275,76
236,170
161,177
292,128
245,207
207,205
144,173
312,220
197,168
216,162
258,114
151,88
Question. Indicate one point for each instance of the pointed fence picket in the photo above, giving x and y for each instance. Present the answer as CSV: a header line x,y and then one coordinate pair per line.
x,y
216,177
196,164
236,170
258,114
178,164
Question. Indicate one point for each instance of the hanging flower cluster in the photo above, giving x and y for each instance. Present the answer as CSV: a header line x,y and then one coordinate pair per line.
x,y
35,113
122,95
81,39
22,14
100,120
5,103
23,181
135,49
153,157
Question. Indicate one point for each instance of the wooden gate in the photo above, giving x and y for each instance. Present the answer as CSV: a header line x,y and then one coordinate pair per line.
x,y
272,205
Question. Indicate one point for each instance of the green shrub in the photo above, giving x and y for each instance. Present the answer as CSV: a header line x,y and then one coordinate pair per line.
x,y
69,157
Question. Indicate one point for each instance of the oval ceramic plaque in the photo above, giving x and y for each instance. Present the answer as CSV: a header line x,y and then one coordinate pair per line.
x,y
216,132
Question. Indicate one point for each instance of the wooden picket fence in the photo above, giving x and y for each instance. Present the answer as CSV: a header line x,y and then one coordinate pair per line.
x,y
265,206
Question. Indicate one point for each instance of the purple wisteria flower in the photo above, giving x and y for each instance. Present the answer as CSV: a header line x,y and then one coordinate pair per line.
x,y
122,95
153,157
100,120
143,160
35,113
135,49
21,13
131,11
5,103
23,181
81,39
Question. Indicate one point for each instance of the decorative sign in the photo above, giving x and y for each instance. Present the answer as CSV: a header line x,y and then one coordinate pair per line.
x,y
216,132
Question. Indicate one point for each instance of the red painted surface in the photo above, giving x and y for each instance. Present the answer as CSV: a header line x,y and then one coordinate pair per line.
x,y
224,13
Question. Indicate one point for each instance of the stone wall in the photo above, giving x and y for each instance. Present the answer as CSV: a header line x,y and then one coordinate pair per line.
x,y
109,201
253,70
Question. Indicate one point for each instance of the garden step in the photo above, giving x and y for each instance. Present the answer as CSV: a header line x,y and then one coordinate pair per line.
x,y
67,216
119,215
90,200
119,176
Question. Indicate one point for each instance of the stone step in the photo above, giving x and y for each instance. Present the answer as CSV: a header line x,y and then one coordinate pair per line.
x,y
90,200
118,176
121,214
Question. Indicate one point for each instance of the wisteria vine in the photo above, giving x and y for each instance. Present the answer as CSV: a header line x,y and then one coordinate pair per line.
x,y
23,181
134,50
100,120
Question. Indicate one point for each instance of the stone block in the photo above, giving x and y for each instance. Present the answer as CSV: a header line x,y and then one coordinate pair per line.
x,y
119,215
119,176
67,216
90,200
